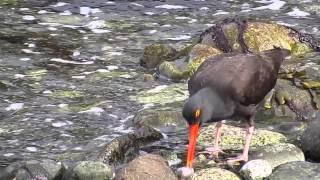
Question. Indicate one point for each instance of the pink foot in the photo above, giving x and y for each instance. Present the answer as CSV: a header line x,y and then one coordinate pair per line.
x,y
237,159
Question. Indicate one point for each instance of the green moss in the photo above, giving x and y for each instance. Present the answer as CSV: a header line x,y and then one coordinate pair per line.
x,y
233,137
85,106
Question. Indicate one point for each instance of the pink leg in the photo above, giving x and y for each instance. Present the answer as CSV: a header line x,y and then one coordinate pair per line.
x,y
215,150
244,156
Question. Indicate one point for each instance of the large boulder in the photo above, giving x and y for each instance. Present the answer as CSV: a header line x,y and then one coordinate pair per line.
x,y
145,167
298,170
232,137
277,154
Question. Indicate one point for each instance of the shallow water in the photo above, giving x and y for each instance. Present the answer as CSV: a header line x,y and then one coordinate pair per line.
x,y
67,69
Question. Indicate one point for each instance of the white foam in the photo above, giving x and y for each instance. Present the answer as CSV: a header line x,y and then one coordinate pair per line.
x,y
180,37
115,53
19,75
32,149
220,12
296,12
28,18
152,31
157,89
94,110
60,4
43,12
112,67
63,105
8,154
100,31
275,4
137,4
24,9
102,70
149,13
14,107
96,24
182,17
78,77
29,51
71,62
65,13
168,6
59,124
204,8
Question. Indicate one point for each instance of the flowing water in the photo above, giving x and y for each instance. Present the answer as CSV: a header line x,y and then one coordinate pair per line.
x,y
68,68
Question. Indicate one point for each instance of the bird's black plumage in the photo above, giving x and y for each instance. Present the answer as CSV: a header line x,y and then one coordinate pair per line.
x,y
228,84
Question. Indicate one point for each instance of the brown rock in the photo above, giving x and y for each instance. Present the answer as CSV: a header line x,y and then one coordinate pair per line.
x,y
146,167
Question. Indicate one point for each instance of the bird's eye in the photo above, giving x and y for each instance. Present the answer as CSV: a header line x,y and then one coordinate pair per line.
x,y
197,113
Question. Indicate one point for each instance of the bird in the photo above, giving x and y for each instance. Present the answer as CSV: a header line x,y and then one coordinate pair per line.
x,y
227,86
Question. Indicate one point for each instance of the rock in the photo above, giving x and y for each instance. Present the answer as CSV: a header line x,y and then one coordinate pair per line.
x,y
310,140
215,173
148,77
298,170
277,154
166,119
163,94
256,170
233,137
45,169
154,54
146,167
125,148
85,170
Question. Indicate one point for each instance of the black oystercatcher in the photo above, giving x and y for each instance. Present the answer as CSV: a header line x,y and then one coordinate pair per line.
x,y
226,86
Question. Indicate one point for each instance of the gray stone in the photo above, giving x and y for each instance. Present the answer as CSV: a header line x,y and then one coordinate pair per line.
x,y
298,170
277,154
256,170
310,140
146,167
85,170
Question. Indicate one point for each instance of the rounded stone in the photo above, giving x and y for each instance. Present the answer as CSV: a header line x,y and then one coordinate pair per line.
x,y
256,169
85,170
145,167
277,154
298,170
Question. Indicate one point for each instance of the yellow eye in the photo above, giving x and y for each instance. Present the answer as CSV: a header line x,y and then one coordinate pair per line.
x,y
197,113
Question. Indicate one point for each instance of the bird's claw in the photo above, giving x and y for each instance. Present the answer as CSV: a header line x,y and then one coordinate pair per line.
x,y
213,151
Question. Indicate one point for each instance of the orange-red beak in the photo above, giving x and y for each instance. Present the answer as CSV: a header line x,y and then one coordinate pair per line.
x,y
193,135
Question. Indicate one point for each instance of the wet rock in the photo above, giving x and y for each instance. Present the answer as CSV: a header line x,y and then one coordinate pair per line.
x,y
277,154
310,140
170,156
299,170
148,77
75,20
124,148
44,169
288,101
166,119
163,94
8,2
256,170
146,167
232,137
85,170
215,173
154,54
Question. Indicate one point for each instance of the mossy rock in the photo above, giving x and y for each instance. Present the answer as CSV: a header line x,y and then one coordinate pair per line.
x,y
162,94
36,74
233,137
214,174
154,54
277,154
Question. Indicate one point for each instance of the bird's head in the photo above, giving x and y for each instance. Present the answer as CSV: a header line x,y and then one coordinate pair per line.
x,y
204,106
